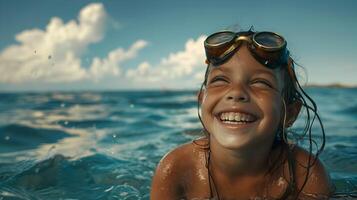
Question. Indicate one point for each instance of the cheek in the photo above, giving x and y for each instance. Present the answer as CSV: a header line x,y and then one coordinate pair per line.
x,y
277,110
204,97
272,107
277,115
208,101
272,117
206,106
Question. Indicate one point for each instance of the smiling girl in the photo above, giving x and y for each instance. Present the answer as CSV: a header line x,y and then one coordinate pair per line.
x,y
248,100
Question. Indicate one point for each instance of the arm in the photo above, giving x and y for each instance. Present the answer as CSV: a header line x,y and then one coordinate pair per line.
x,y
318,184
166,181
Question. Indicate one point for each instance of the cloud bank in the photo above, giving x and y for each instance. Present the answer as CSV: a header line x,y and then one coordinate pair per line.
x,y
188,62
53,55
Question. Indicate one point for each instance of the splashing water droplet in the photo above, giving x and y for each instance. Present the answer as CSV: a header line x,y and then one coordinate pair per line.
x,y
123,194
109,189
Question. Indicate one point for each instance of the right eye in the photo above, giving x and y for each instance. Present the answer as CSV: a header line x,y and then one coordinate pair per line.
x,y
218,80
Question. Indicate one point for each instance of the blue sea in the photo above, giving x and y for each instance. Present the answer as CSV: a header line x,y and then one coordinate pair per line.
x,y
105,145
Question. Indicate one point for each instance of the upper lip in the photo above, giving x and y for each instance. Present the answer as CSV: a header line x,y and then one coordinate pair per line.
x,y
236,110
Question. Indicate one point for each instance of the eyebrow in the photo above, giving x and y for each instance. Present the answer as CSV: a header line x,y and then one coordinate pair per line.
x,y
214,69
261,71
257,71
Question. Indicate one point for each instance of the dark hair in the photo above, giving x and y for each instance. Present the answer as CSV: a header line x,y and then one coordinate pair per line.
x,y
292,92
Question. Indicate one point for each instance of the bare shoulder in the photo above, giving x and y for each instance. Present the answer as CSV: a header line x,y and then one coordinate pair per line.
x,y
318,180
168,181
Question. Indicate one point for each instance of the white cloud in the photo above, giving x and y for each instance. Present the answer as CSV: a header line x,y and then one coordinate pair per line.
x,y
110,64
53,54
189,62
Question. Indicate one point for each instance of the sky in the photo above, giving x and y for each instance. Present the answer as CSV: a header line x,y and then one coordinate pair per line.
x,y
134,45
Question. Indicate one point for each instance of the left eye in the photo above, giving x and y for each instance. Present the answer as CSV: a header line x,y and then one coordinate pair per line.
x,y
262,83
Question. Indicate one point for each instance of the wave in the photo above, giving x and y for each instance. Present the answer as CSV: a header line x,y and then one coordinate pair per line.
x,y
167,105
352,111
94,123
15,137
79,177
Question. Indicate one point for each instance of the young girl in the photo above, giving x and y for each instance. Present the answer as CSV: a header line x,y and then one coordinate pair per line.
x,y
248,100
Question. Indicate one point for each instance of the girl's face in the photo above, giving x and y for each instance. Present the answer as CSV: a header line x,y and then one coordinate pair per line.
x,y
242,103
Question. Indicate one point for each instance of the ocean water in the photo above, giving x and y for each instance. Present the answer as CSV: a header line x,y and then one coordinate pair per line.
x,y
105,145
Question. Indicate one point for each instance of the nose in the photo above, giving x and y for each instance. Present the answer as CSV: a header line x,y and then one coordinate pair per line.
x,y
238,94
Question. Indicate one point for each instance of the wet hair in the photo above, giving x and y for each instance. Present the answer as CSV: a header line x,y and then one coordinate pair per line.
x,y
286,138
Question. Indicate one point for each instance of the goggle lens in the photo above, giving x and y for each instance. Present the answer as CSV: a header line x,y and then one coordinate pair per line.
x,y
267,47
269,40
220,38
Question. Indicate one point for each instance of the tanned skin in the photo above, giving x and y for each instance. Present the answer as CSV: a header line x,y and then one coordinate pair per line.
x,y
239,152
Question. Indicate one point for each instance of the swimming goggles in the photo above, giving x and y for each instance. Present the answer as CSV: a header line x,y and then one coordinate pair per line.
x,y
267,48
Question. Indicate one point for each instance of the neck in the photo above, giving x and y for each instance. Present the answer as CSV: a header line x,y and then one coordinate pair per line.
x,y
246,161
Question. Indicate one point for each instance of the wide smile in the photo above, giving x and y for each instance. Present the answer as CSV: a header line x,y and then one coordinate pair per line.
x,y
234,119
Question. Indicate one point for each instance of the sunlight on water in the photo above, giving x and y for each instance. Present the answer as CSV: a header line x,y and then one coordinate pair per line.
x,y
97,145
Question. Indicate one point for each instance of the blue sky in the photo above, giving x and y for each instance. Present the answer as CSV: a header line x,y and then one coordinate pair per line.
x,y
106,45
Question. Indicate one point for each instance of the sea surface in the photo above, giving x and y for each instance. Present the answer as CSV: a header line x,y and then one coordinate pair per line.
x,y
105,145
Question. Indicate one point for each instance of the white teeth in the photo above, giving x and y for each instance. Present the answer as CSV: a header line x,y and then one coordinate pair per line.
x,y
236,117
231,116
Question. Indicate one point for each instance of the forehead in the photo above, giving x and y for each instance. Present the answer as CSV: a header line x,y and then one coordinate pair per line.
x,y
254,70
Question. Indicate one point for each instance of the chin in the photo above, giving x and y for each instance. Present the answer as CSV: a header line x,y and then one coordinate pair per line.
x,y
231,141
231,138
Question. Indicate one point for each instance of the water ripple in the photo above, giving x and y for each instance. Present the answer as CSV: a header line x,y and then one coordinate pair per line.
x,y
105,145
